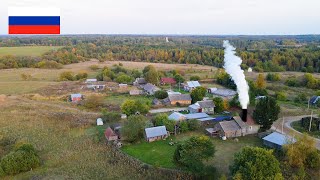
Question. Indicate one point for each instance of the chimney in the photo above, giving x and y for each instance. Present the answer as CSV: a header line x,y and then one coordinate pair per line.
x,y
244,115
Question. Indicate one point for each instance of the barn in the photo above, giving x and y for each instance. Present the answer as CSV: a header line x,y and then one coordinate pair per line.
x,y
156,133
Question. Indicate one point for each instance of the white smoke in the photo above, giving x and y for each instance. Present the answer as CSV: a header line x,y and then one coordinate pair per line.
x,y
232,66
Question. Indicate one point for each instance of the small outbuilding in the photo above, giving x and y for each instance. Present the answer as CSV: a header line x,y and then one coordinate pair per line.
x,y
191,85
156,133
110,135
206,106
88,81
135,92
222,92
75,97
139,82
229,129
99,122
276,140
167,80
314,100
181,99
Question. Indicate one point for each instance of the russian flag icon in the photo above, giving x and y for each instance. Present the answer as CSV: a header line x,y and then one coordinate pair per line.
x,y
34,20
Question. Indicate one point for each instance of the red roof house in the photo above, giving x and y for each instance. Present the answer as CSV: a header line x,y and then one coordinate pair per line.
x,y
167,80
110,135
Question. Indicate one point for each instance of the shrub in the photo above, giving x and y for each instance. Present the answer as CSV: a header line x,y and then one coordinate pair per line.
x,y
161,94
193,124
130,107
21,159
94,67
133,129
124,79
82,75
49,65
66,76
194,78
273,77
110,116
281,96
184,126
26,77
93,102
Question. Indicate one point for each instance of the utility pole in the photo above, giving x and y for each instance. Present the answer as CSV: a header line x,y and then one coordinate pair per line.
x,y
310,121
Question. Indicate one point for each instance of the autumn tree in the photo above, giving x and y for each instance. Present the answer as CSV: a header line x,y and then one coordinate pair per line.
x,y
261,83
198,94
253,163
151,74
130,107
266,112
133,128
219,104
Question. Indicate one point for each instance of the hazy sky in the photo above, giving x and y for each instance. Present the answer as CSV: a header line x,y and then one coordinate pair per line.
x,y
212,17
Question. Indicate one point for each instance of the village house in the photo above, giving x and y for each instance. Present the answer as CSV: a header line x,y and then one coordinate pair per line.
x,y
277,141
237,127
170,92
123,86
202,117
156,133
139,82
110,135
191,85
180,99
222,92
228,129
135,92
150,89
167,80
206,106
75,97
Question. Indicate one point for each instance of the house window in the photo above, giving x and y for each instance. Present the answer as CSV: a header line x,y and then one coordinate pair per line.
x,y
250,127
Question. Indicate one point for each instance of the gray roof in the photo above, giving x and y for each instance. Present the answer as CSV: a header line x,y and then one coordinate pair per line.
x,y
180,97
197,115
193,84
240,122
277,138
224,92
150,87
176,116
194,106
229,125
155,131
206,119
206,104
140,81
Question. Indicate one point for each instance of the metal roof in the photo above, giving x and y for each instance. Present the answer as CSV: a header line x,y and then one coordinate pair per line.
x,y
193,84
197,115
206,119
224,92
229,125
177,116
206,104
221,118
279,139
314,99
156,131
180,97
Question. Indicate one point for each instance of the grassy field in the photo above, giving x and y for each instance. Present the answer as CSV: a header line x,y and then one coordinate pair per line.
x,y
160,153
296,125
26,50
65,141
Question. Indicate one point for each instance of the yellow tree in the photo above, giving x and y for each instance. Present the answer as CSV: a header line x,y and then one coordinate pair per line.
x,y
261,83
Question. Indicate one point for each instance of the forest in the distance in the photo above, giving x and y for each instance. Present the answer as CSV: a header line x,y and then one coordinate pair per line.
x,y
262,53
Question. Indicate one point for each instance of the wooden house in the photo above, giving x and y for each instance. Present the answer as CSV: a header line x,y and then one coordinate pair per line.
x,y
182,99
110,135
156,133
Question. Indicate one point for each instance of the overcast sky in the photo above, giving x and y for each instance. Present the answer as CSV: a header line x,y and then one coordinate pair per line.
x,y
212,17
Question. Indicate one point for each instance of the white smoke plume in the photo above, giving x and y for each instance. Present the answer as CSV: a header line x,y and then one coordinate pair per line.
x,y
232,66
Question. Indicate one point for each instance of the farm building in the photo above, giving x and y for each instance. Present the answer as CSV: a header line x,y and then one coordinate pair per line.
x,y
237,127
75,97
202,117
91,80
176,116
249,69
182,99
150,89
110,135
156,133
314,100
99,122
222,92
206,106
228,129
276,140
167,80
139,82
190,85
135,92
193,108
